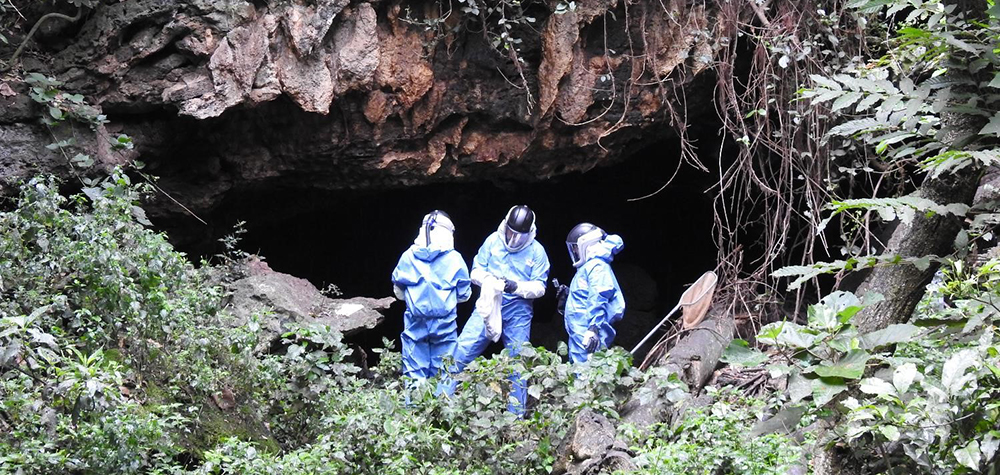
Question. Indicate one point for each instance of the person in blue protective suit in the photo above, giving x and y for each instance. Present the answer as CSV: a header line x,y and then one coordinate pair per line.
x,y
593,300
432,278
510,255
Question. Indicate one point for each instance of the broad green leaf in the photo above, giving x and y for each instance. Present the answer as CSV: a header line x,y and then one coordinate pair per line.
x,y
825,389
825,82
887,107
778,370
798,387
846,340
891,433
876,386
903,377
823,95
994,370
43,338
535,391
140,216
868,101
839,300
851,366
845,101
822,317
739,353
769,333
994,10
859,125
989,446
953,375
993,127
898,333
786,334
969,455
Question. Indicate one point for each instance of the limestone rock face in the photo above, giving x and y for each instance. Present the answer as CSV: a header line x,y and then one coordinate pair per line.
x,y
224,98
281,300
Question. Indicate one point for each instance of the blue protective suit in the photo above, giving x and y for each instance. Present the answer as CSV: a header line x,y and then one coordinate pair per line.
x,y
530,268
434,281
595,298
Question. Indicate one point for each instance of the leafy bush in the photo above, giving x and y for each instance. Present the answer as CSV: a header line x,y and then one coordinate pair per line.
x,y
920,396
936,398
116,357
717,439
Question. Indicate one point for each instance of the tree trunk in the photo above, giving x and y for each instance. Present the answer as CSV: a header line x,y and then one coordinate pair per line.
x,y
903,285
693,359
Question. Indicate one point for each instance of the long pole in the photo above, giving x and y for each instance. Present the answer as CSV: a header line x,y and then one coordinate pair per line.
x,y
657,327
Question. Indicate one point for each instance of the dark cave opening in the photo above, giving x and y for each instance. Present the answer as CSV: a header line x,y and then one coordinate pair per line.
x,y
354,238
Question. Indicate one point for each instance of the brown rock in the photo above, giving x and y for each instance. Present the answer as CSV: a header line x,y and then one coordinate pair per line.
x,y
590,437
306,23
225,399
375,101
357,51
307,80
558,37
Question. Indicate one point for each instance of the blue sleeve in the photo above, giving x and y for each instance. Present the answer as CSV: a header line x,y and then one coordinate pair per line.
x,y
540,271
602,290
463,284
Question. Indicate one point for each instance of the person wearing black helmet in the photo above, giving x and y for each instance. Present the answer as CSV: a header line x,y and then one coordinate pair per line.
x,y
512,260
594,300
432,278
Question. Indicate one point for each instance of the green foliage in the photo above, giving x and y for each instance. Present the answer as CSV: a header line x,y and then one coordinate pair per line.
x,y
920,396
936,396
116,357
717,439
62,110
941,62
928,103
85,293
824,356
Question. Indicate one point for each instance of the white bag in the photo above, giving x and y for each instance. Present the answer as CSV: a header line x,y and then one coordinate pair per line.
x,y
488,306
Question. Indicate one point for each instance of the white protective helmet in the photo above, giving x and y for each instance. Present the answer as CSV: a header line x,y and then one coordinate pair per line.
x,y
436,231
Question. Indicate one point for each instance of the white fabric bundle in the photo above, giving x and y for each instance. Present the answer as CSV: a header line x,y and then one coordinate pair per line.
x,y
489,305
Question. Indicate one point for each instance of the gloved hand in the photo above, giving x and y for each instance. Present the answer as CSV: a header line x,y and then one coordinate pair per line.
x,y
590,340
562,292
509,286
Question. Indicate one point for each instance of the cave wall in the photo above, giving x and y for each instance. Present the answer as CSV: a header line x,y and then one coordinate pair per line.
x,y
232,98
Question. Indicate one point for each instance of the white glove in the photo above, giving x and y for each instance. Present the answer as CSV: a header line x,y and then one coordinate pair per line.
x,y
590,341
398,292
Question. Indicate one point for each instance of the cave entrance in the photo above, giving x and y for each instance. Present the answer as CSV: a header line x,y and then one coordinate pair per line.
x,y
353,239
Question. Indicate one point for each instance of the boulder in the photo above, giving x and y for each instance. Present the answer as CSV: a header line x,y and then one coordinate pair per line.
x,y
281,300
589,444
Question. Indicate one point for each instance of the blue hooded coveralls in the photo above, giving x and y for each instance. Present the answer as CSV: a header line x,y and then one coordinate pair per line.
x,y
434,281
527,266
595,298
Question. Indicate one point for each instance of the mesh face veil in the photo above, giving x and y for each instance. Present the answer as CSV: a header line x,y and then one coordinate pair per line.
x,y
581,237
